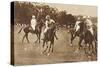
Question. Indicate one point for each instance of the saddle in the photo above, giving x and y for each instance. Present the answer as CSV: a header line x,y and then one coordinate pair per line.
x,y
30,28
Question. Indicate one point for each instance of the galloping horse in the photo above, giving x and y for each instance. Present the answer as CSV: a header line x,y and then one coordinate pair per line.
x,y
28,30
89,39
49,37
79,33
84,34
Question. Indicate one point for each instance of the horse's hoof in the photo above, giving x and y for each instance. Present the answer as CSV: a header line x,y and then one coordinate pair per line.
x,y
41,52
35,42
48,54
77,51
56,38
52,51
71,45
28,42
39,42
89,57
25,49
68,31
43,46
42,39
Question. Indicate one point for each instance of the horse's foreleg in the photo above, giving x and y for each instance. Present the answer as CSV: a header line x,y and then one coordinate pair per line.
x,y
27,37
55,36
23,38
39,38
85,48
43,43
49,50
45,48
79,44
95,47
72,38
52,45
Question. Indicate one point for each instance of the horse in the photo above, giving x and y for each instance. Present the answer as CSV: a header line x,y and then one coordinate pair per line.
x,y
89,39
49,37
28,29
84,34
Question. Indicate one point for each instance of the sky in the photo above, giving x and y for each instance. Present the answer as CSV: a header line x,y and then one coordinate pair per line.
x,y
76,9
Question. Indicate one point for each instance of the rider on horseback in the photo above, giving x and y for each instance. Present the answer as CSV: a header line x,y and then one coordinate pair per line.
x,y
77,26
33,22
48,22
89,24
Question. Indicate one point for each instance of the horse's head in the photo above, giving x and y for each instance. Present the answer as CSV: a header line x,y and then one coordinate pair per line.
x,y
83,27
41,23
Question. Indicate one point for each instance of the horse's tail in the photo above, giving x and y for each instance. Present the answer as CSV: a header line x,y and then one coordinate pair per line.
x,y
20,30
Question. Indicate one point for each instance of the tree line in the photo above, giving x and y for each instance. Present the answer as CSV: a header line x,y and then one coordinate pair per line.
x,y
23,12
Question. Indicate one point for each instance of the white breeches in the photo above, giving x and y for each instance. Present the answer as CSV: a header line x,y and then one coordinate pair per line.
x,y
33,26
33,23
77,28
91,30
43,32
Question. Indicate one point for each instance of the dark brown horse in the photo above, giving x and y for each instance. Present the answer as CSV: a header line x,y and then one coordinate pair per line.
x,y
28,30
91,41
49,37
79,33
84,35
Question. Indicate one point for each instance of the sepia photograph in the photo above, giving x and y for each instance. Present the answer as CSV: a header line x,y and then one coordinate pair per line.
x,y
48,33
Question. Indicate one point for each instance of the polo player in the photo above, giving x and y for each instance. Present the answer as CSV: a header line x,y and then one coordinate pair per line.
x,y
89,24
48,22
47,25
77,26
33,22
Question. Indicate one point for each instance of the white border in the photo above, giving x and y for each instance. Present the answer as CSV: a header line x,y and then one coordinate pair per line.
x,y
5,32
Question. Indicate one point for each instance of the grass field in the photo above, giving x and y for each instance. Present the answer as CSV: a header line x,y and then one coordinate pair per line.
x,y
31,53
